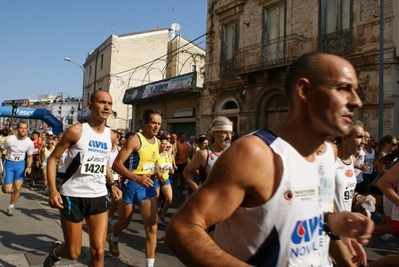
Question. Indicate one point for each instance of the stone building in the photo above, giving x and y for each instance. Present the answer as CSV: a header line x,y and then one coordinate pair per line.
x,y
253,42
125,62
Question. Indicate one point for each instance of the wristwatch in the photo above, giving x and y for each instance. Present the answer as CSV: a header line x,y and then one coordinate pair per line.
x,y
327,229
110,185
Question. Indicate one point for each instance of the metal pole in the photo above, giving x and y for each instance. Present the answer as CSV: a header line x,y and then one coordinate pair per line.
x,y
381,75
83,86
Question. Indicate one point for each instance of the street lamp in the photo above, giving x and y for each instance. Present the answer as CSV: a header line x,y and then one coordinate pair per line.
x,y
83,87
70,60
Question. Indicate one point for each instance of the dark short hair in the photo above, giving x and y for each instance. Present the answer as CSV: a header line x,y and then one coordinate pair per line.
x,y
306,66
163,137
92,96
21,122
148,112
36,132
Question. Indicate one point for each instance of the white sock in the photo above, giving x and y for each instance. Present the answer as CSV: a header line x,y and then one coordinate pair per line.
x,y
11,206
150,262
55,256
114,239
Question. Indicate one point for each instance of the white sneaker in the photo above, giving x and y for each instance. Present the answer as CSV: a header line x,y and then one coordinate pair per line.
x,y
10,211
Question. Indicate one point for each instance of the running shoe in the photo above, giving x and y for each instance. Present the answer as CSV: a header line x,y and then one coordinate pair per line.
x,y
113,246
50,261
10,211
164,220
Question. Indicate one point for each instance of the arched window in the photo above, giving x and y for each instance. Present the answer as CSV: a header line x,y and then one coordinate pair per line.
x,y
230,105
227,105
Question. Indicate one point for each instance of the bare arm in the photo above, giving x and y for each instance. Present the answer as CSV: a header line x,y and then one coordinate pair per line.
x,y
230,184
71,136
380,166
386,181
196,163
114,190
132,144
29,162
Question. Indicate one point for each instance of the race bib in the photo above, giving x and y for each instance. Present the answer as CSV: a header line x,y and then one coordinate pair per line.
x,y
17,156
94,164
150,168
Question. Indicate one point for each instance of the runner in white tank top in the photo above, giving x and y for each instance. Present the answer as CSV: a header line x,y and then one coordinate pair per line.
x,y
83,194
264,191
87,163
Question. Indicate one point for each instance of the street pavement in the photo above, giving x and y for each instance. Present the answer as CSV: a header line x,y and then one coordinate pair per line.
x,y
27,236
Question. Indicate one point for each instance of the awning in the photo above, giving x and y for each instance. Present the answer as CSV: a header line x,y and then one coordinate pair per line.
x,y
181,120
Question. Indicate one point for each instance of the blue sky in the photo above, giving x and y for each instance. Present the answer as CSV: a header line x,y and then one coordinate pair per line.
x,y
36,36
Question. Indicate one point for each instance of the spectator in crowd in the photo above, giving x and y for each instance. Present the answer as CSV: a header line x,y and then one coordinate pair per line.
x,y
45,153
345,193
164,171
202,142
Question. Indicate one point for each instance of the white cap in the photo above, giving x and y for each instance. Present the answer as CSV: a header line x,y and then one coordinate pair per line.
x,y
50,132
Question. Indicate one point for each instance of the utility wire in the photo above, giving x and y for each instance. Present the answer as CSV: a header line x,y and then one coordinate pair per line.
x,y
191,42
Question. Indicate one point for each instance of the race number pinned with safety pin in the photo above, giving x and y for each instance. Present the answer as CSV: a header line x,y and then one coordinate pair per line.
x,y
14,156
94,164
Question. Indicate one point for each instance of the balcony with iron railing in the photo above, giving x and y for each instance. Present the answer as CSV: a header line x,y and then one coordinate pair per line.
x,y
338,43
274,53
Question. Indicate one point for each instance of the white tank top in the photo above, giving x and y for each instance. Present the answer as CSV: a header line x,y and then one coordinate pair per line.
x,y
345,183
86,164
62,162
360,160
111,161
287,230
369,160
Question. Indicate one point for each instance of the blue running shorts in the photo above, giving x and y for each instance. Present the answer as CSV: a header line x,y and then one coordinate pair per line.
x,y
133,193
13,170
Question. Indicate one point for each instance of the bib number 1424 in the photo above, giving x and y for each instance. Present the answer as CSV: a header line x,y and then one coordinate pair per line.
x,y
91,168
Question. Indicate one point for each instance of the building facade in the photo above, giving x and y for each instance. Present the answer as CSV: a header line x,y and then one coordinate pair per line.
x,y
138,60
253,42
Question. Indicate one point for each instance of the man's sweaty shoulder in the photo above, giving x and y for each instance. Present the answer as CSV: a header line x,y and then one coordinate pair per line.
x,y
251,165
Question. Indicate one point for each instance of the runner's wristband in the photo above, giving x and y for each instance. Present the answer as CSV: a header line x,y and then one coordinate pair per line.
x,y
327,229
110,185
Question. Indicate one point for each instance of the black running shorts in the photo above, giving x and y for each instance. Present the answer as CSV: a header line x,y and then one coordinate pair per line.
x,y
77,208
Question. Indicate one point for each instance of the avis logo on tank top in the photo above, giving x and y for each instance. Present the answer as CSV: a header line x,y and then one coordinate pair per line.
x,y
306,237
97,146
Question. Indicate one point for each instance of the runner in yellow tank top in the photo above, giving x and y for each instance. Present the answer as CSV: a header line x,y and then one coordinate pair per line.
x,y
136,164
147,155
